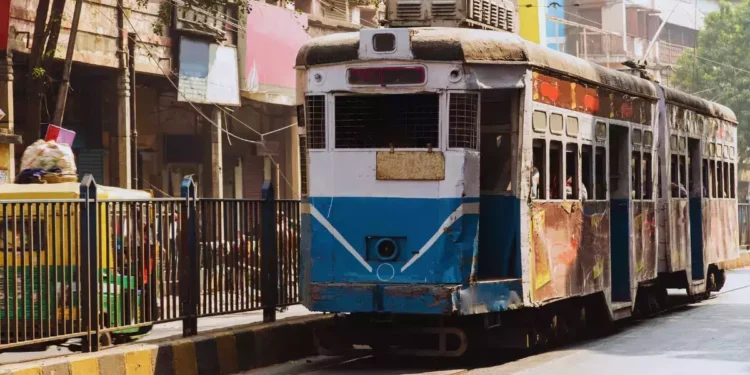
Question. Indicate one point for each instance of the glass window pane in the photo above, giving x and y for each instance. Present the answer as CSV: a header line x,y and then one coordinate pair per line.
x,y
556,123
572,129
540,121
636,137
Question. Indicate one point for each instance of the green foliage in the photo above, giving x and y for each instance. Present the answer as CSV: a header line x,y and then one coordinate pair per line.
x,y
721,72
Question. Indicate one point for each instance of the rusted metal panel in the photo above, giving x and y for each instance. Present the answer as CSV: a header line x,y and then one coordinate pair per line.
x,y
569,252
719,230
591,99
679,241
411,165
479,47
644,241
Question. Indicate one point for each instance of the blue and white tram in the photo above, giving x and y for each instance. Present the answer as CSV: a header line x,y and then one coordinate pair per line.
x,y
465,182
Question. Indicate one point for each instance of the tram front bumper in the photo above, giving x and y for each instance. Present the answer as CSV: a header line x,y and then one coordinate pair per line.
x,y
427,299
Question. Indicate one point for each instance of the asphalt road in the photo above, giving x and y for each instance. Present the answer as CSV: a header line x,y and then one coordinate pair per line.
x,y
712,337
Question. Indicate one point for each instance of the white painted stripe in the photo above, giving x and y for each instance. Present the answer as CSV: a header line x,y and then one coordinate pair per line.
x,y
317,215
446,224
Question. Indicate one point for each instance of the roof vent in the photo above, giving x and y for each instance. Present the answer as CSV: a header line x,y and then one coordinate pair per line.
x,y
409,8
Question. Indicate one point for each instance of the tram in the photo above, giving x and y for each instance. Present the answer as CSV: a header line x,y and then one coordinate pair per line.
x,y
468,186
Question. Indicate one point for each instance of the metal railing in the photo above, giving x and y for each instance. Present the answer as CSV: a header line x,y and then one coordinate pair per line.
x,y
743,216
101,269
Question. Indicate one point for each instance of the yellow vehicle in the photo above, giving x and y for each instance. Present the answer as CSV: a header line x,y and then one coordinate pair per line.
x,y
39,266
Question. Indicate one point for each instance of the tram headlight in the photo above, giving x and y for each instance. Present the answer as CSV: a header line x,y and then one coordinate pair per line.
x,y
387,249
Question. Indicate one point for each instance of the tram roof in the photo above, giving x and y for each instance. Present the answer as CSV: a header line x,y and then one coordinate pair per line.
x,y
478,47
697,104
493,47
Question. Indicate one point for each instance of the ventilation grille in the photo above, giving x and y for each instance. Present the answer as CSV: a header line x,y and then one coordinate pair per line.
x,y
462,132
495,14
443,8
409,9
316,122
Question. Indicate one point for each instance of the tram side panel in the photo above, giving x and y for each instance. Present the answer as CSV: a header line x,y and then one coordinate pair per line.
x,y
568,238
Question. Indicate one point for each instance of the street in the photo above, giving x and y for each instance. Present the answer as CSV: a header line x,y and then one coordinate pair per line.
x,y
705,338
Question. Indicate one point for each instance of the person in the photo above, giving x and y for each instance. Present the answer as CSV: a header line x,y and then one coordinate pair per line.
x,y
679,190
534,183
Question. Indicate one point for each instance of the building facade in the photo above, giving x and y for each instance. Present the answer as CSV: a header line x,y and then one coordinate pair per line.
x,y
153,102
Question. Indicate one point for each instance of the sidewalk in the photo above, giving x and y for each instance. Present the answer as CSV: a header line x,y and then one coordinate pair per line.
x,y
164,337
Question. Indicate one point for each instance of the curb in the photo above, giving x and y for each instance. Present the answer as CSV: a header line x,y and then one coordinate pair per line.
x,y
213,352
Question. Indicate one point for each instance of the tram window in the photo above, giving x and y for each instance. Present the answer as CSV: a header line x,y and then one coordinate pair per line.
x,y
658,177
636,137
600,188
635,166
571,171
399,121
732,189
648,139
314,121
683,177
674,175
705,178
648,186
673,143
720,178
726,152
718,151
601,130
540,121
556,183
462,122
586,172
538,172
727,188
572,128
556,123
712,175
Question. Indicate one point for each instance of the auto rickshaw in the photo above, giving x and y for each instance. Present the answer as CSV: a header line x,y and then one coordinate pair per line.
x,y
40,256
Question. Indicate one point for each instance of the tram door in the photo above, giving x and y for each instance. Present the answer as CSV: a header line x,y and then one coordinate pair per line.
x,y
620,195
499,208
696,179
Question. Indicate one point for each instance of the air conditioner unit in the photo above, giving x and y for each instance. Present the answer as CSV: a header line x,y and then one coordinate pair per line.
x,y
484,14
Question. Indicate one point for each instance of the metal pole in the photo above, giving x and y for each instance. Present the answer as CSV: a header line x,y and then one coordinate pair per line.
x,y
62,93
658,31
585,46
133,127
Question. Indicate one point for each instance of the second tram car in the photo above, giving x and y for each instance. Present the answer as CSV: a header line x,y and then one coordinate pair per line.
x,y
464,184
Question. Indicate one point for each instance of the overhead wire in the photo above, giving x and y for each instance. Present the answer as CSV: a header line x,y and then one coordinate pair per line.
x,y
200,112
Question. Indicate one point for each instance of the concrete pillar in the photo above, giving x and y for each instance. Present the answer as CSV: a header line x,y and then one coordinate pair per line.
x,y
217,161
7,150
121,162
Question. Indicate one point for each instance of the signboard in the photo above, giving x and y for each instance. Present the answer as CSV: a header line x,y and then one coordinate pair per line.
x,y
4,24
270,55
208,73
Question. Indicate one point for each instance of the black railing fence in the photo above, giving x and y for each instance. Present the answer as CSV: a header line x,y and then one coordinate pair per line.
x,y
104,268
743,216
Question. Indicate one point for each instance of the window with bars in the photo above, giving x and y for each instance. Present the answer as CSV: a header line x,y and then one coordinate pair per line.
x,y
314,120
384,121
303,164
464,109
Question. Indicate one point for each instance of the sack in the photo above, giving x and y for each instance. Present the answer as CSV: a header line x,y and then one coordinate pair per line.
x,y
49,156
